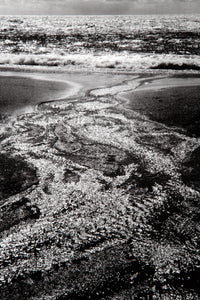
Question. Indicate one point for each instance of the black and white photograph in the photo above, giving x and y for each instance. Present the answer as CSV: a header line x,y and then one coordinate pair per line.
x,y
99,149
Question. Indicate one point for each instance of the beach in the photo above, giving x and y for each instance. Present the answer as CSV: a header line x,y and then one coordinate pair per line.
x,y
99,152
97,180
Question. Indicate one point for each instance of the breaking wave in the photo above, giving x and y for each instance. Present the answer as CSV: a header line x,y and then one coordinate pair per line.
x,y
129,43
125,62
174,66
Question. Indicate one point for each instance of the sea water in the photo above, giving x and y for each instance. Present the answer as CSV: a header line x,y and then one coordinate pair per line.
x,y
129,43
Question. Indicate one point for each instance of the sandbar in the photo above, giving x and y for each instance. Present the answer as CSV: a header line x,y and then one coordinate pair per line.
x,y
20,94
172,101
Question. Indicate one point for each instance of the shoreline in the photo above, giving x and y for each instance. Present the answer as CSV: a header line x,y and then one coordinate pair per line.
x,y
72,86
77,85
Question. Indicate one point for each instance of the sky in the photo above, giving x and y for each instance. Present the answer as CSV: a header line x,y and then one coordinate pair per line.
x,y
98,7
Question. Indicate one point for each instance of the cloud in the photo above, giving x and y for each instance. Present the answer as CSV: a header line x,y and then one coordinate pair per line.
x,y
70,7
153,1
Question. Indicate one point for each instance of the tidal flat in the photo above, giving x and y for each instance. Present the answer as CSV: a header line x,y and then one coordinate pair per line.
x,y
99,190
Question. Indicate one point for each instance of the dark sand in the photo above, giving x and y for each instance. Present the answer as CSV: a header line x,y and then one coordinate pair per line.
x,y
17,93
174,106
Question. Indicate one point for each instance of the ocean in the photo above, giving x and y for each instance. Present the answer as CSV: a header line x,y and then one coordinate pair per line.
x,y
127,43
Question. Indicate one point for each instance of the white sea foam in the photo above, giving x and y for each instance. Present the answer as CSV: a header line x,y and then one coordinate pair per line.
x,y
126,62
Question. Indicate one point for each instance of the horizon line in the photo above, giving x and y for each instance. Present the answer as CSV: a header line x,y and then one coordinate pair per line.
x,y
97,15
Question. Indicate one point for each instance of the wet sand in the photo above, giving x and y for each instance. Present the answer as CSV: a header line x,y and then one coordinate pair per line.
x,y
174,102
19,94
20,91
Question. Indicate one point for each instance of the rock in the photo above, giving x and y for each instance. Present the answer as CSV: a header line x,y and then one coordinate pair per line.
x,y
12,213
16,175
